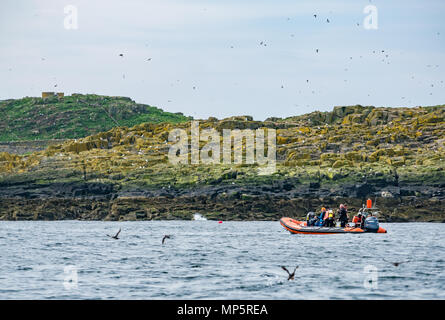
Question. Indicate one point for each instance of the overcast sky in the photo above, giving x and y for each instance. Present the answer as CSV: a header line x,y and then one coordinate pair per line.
x,y
224,57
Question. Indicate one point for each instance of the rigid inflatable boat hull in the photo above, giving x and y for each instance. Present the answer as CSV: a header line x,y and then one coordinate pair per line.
x,y
295,226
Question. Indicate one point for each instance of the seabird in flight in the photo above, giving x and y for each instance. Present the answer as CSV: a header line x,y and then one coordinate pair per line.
x,y
396,264
116,235
291,275
165,237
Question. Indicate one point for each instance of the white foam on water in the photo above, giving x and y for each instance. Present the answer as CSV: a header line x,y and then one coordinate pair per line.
x,y
198,217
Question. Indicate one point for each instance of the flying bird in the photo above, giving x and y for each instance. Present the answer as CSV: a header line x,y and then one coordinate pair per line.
x,y
165,237
291,275
116,236
121,54
327,20
315,16
396,264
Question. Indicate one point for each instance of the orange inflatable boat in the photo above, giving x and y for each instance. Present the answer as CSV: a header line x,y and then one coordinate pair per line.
x,y
295,226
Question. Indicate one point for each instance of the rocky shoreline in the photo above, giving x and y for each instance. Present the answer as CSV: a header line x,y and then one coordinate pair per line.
x,y
96,201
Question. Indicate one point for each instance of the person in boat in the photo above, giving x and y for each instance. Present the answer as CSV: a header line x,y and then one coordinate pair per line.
x,y
316,221
362,222
343,215
330,218
321,217
311,219
357,219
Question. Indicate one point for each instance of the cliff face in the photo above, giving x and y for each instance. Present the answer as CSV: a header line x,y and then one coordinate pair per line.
x,y
394,155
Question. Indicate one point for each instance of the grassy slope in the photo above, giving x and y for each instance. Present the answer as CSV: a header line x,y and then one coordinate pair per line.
x,y
74,116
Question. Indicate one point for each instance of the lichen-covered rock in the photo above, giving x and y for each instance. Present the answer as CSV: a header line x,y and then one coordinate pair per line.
x,y
336,151
341,163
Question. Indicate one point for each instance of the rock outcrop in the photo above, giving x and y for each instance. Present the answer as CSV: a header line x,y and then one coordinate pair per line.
x,y
393,155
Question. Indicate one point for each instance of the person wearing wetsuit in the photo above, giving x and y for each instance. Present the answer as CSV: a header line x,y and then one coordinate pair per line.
x,y
343,216
310,220
362,221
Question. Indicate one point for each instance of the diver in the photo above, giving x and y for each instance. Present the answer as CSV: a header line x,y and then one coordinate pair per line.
x,y
310,219
315,221
343,215
362,220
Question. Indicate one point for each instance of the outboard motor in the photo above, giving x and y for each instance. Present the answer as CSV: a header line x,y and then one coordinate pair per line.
x,y
371,224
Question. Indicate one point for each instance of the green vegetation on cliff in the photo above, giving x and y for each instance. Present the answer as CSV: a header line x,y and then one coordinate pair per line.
x,y
396,154
410,140
74,116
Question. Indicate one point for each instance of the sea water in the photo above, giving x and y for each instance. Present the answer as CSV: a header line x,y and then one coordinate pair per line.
x,y
211,260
